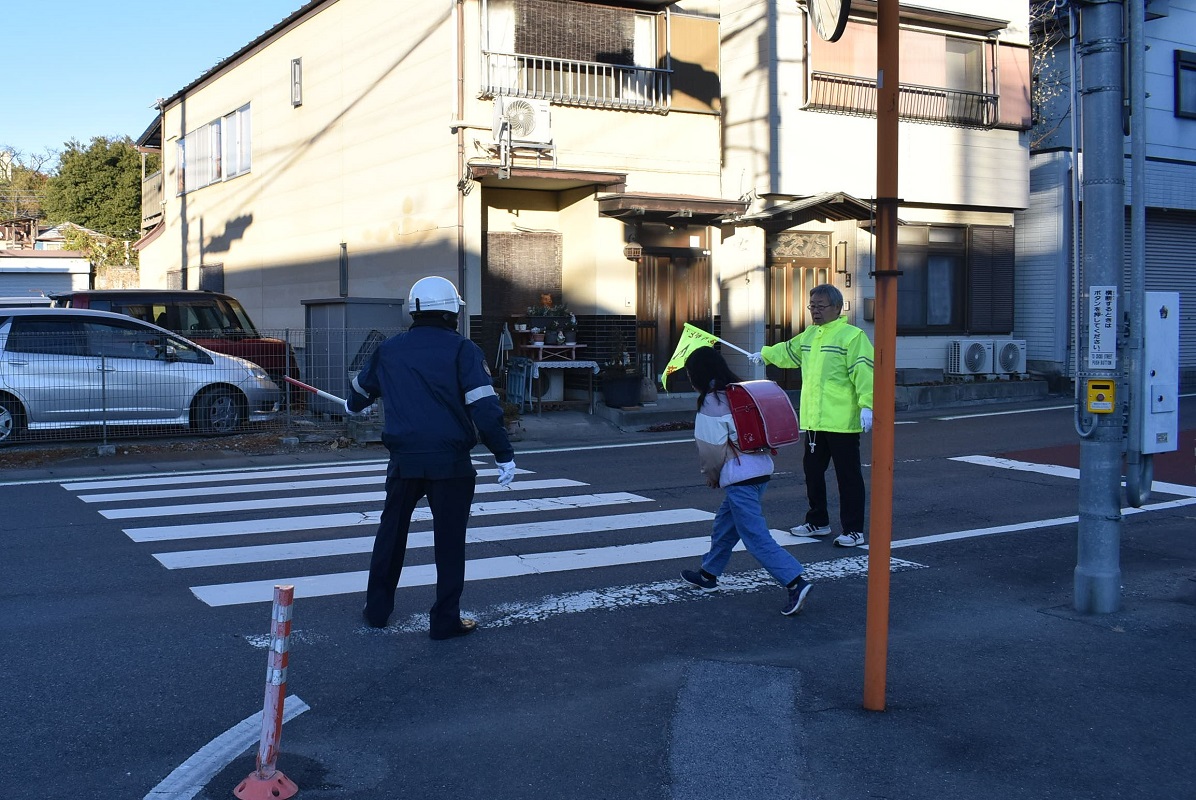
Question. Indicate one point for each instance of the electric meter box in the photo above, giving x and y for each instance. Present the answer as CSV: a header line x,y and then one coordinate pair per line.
x,y
1158,408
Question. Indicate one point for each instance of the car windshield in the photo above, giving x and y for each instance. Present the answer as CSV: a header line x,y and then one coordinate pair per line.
x,y
213,314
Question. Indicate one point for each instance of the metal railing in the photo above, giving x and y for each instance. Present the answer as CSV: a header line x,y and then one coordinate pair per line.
x,y
847,94
577,83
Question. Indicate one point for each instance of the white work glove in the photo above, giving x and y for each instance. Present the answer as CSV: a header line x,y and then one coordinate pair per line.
x,y
506,473
756,358
353,413
866,419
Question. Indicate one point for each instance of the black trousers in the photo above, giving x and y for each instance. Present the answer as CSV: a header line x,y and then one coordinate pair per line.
x,y
449,500
844,450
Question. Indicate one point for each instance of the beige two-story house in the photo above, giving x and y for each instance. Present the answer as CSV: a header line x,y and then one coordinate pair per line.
x,y
518,147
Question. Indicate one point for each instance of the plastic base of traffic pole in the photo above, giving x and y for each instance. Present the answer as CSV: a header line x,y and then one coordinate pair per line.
x,y
276,787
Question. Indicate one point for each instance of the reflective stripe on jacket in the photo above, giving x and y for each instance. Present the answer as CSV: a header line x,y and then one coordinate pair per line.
x,y
835,360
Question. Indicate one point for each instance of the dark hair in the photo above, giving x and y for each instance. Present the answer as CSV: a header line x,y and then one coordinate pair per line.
x,y
708,372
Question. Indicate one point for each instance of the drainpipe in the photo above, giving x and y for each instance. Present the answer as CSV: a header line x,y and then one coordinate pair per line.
x,y
459,69
1139,472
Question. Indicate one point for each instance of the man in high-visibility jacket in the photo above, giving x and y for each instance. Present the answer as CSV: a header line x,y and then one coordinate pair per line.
x,y
835,359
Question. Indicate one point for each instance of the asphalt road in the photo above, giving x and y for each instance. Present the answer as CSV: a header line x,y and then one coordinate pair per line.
x,y
596,674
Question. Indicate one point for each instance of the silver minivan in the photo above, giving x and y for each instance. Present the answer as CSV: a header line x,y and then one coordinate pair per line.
x,y
71,368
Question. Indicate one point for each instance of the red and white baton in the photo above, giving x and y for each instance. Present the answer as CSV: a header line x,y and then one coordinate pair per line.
x,y
314,390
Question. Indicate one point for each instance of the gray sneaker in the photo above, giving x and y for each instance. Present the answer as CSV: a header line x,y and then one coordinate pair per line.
x,y
850,539
809,529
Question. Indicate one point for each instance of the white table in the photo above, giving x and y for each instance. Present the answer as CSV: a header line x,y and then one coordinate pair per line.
x,y
591,367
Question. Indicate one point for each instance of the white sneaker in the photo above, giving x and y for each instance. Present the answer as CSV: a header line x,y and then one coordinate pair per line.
x,y
809,529
850,539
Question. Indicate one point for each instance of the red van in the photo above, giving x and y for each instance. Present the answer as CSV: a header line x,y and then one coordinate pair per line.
x,y
210,319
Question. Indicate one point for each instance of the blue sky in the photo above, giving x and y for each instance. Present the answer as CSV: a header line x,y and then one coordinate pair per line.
x,y
76,69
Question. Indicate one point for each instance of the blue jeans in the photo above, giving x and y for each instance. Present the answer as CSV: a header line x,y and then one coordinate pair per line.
x,y
740,517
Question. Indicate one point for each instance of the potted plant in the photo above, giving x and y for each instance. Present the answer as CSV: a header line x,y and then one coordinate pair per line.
x,y
570,329
547,316
620,376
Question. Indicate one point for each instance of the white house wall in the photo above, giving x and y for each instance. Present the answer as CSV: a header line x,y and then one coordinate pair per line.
x,y
946,174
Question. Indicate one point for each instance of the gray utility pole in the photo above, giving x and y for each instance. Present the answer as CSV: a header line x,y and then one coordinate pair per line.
x,y
1098,564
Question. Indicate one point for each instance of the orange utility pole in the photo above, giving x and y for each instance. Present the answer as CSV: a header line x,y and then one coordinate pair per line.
x,y
885,271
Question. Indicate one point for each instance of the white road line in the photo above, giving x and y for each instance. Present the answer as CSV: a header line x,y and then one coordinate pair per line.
x,y
1004,413
262,591
1066,472
258,473
643,594
203,530
189,778
268,504
255,488
187,559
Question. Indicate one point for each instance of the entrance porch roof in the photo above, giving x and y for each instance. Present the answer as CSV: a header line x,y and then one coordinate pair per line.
x,y
829,206
669,209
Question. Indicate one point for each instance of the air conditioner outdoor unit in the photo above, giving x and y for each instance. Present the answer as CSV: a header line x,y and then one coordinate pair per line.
x,y
1009,356
529,119
969,357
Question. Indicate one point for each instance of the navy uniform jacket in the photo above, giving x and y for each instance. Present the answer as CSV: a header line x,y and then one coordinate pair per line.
x,y
437,396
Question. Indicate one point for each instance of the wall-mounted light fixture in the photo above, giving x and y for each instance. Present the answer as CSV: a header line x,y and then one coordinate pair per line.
x,y
296,82
633,251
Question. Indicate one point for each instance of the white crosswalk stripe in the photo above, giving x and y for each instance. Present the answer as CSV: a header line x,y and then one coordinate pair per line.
x,y
272,502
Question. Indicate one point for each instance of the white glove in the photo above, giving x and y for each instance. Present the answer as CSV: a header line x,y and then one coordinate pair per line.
x,y
363,412
756,358
866,419
506,473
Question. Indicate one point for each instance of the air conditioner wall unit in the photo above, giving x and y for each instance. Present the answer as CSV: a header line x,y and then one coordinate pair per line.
x,y
1009,356
969,357
529,119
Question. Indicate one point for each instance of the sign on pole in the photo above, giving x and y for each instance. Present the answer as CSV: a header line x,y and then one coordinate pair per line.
x,y
1102,327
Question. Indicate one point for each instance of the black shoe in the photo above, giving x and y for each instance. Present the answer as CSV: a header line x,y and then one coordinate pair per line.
x,y
365,616
464,628
797,597
701,579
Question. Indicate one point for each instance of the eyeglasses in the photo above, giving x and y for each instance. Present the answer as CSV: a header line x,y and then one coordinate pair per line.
x,y
819,308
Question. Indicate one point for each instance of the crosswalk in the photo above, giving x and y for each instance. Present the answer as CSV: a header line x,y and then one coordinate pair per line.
x,y
264,521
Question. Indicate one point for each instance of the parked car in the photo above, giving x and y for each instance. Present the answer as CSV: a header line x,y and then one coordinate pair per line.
x,y
210,319
70,368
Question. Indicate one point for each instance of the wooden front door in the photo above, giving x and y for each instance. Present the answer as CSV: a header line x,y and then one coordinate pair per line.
x,y
673,286
797,263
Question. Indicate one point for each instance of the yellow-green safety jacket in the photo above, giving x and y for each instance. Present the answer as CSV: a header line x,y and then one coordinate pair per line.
x,y
835,360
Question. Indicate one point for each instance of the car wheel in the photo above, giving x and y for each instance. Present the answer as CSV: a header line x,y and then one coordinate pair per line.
x,y
218,412
10,420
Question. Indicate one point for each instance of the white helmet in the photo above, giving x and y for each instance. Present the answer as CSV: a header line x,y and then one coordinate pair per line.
x,y
434,294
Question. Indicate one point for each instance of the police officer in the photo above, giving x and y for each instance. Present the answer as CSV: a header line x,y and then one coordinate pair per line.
x,y
436,390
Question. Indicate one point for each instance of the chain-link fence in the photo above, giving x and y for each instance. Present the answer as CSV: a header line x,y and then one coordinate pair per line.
x,y
94,378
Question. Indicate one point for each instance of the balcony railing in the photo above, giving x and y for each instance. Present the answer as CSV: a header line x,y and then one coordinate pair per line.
x,y
846,94
577,83
151,198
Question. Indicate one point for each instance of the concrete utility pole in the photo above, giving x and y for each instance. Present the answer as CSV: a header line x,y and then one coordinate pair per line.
x,y
1098,569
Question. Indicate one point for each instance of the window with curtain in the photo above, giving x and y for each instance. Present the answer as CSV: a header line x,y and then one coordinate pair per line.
x,y
955,279
214,152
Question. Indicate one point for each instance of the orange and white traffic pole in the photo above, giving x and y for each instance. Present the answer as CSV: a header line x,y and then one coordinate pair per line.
x,y
267,782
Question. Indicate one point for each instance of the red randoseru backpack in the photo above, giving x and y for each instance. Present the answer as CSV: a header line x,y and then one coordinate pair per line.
x,y
763,415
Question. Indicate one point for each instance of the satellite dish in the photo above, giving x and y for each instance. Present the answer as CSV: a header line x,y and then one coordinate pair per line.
x,y
830,17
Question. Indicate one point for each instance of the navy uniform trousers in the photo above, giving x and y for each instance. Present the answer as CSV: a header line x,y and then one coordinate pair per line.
x,y
844,450
449,500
